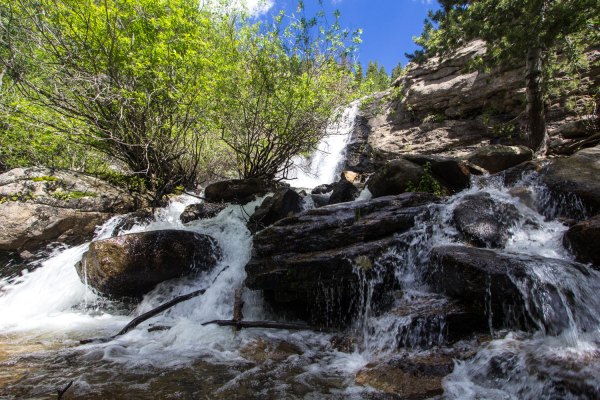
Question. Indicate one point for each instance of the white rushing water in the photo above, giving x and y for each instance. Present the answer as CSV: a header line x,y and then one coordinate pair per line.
x,y
323,166
51,302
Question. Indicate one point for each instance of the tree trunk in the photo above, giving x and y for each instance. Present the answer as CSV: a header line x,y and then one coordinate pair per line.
x,y
535,100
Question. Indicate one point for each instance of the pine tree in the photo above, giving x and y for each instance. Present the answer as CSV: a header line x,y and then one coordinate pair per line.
x,y
515,31
396,72
358,74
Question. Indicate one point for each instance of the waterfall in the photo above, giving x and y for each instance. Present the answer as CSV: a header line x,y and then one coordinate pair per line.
x,y
323,166
45,311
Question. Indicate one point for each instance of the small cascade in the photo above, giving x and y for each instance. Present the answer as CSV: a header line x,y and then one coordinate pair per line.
x,y
555,354
323,166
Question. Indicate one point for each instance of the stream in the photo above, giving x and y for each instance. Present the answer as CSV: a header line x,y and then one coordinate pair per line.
x,y
46,310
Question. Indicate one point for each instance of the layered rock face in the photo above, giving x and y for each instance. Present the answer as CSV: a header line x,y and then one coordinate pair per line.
x,y
448,108
310,265
39,206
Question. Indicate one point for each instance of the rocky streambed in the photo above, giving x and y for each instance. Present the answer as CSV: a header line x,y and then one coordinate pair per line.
x,y
487,293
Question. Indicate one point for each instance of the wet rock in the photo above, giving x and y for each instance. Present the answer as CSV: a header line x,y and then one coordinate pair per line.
x,y
131,265
139,217
484,221
394,178
513,175
282,204
453,173
343,191
261,350
411,377
320,200
323,189
583,239
507,288
432,320
344,343
11,265
574,184
39,206
495,158
525,195
204,210
239,191
305,265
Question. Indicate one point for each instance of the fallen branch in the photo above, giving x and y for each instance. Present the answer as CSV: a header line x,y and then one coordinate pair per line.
x,y
576,145
195,195
62,392
259,324
147,315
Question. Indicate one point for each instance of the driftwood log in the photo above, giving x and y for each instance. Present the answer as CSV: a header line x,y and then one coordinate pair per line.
x,y
259,324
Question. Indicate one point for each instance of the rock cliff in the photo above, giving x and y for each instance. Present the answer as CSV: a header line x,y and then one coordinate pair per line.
x,y
448,107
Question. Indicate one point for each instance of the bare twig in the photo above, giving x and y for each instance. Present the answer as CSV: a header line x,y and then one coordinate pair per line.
x,y
62,392
146,316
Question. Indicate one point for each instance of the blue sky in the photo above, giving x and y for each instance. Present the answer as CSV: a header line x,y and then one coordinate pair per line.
x,y
388,25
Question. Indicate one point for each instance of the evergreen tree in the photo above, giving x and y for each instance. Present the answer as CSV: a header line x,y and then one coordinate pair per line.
x,y
383,79
515,31
358,74
396,71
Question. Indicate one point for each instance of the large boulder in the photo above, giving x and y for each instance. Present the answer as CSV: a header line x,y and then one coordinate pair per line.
x,y
484,221
307,265
496,158
284,203
132,265
574,185
203,210
39,206
583,239
239,191
343,191
527,292
395,178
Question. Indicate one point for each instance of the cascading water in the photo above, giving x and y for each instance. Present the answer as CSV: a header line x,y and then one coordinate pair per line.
x,y
45,312
322,167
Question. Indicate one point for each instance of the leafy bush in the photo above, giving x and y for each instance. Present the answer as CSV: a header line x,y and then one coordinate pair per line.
x,y
427,183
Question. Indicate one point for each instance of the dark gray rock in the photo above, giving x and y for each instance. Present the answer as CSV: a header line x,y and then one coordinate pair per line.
x,y
323,189
132,265
430,320
198,211
484,221
495,158
306,265
453,173
343,191
573,184
513,175
507,290
583,240
240,191
128,221
394,178
282,204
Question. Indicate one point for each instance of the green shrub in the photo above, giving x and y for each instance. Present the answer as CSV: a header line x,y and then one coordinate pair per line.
x,y
427,183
